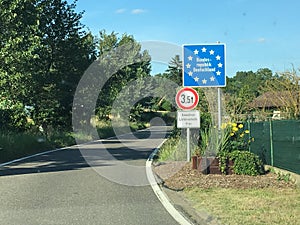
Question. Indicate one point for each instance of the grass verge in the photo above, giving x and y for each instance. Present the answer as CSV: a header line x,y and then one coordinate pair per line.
x,y
17,145
248,206
175,148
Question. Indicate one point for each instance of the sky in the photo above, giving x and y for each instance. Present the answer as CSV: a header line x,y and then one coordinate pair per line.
x,y
257,33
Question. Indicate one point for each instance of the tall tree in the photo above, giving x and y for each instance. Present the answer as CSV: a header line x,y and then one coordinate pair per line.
x,y
18,52
243,88
125,51
67,50
285,92
174,71
44,51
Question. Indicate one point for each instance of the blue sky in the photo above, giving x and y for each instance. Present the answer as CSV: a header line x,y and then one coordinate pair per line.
x,y
257,33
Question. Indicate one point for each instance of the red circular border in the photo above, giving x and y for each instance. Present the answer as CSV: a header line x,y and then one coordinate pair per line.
x,y
194,92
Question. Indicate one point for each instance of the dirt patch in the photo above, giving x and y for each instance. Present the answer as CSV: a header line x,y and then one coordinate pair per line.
x,y
180,175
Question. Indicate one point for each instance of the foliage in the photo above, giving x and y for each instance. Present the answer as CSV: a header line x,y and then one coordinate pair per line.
x,y
246,163
233,137
284,176
242,89
132,70
174,71
13,115
174,148
15,145
203,143
287,89
43,53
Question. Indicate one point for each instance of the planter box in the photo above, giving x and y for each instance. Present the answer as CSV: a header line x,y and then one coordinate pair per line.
x,y
200,163
214,167
210,165
194,162
203,165
229,169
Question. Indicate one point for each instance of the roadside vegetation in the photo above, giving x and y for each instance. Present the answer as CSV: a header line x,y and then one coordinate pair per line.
x,y
272,198
44,54
16,145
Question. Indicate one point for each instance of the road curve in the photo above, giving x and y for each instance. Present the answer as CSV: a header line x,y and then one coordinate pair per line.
x,y
62,188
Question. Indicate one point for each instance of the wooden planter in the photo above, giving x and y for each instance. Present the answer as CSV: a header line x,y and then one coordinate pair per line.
x,y
210,165
203,165
214,167
194,162
229,167
200,163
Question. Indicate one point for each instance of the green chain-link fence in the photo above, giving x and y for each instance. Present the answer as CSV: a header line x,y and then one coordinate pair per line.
x,y
277,142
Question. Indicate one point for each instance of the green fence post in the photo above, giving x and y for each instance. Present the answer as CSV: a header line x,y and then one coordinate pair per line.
x,y
271,144
249,136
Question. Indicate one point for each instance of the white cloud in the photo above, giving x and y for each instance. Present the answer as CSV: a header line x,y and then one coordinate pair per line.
x,y
261,40
138,11
120,11
249,41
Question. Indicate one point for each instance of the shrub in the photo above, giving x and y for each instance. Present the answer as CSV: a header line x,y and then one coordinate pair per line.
x,y
246,163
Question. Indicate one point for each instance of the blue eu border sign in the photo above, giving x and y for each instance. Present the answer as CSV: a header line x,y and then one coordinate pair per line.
x,y
204,65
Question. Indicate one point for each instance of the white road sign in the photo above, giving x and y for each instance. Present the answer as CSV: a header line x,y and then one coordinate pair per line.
x,y
188,119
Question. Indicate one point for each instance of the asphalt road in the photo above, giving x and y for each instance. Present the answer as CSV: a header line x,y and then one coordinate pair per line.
x,y
62,188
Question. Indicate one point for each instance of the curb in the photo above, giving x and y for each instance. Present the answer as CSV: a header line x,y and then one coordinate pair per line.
x,y
162,197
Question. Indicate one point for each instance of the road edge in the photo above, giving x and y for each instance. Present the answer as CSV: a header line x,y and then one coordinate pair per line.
x,y
162,197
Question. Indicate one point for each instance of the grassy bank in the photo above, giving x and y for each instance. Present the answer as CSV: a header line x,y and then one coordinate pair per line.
x,y
248,206
16,145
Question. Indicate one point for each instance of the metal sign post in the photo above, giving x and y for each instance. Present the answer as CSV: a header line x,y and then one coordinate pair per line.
x,y
219,111
188,148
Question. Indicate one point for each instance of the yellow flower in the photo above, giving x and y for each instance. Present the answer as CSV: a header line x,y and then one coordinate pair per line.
x,y
235,129
247,131
233,124
240,126
223,126
231,134
242,135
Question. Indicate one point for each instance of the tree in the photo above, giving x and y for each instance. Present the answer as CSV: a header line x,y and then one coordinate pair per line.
x,y
44,52
285,89
125,51
174,71
174,74
67,50
18,45
243,88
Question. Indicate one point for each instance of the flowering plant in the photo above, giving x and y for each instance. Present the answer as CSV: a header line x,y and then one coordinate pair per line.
x,y
233,136
237,137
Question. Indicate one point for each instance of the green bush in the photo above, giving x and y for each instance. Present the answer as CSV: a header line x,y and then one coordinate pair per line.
x,y
16,145
246,163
